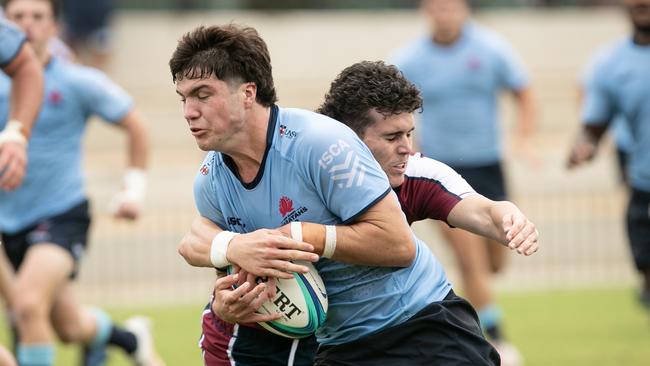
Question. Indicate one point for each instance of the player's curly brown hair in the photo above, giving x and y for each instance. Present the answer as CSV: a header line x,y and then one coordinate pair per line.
x,y
366,86
231,53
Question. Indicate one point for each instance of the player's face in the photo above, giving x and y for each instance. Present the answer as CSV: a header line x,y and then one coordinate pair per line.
x,y
213,109
446,16
389,140
35,18
639,12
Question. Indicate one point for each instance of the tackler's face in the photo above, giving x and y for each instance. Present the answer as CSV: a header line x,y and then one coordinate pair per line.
x,y
214,110
35,18
639,12
389,140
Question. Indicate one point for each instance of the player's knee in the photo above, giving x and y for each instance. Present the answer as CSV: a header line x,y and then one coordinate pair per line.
x,y
29,306
68,333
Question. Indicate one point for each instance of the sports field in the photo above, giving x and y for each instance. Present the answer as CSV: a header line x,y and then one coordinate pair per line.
x,y
570,304
603,327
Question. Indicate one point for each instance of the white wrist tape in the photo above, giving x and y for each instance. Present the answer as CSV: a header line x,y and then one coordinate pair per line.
x,y
12,133
296,230
220,247
135,184
330,241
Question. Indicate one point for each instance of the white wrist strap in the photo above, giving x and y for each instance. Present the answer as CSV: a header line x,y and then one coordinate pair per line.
x,y
12,133
135,184
219,248
330,241
296,230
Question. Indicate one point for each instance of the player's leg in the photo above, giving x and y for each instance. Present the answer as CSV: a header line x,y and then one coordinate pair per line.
x,y
497,255
7,293
638,229
6,358
44,271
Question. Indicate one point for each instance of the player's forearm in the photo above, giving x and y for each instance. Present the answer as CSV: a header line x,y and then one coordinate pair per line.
x,y
136,129
196,244
380,237
527,113
26,88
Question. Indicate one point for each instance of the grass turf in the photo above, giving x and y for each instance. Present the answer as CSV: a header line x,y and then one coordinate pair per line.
x,y
561,327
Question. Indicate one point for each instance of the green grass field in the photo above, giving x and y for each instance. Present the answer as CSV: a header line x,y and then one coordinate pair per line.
x,y
565,327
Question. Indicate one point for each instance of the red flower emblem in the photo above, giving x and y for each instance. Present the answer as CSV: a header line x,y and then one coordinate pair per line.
x,y
55,97
286,205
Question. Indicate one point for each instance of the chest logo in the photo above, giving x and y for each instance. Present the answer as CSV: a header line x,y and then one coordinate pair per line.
x,y
288,212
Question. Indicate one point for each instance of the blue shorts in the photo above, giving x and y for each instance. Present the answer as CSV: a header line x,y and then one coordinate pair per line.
x,y
68,230
638,228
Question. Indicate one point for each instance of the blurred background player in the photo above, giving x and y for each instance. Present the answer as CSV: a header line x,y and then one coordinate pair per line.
x,y
461,68
18,61
87,30
619,85
45,221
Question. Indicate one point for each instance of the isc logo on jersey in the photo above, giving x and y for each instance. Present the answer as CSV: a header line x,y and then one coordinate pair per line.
x,y
348,173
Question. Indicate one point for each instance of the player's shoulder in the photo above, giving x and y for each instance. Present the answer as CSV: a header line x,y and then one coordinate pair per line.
x,y
487,38
409,53
421,167
302,127
611,53
212,161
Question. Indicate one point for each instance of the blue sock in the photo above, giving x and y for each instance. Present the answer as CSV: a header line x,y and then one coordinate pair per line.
x,y
104,326
35,354
490,318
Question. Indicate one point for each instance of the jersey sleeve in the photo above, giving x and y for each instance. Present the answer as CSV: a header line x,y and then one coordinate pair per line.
x,y
434,189
205,193
103,97
343,170
597,103
11,41
511,70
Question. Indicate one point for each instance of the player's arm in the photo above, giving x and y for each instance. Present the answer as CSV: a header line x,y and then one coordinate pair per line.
x,y
26,97
498,220
379,237
526,121
585,145
128,202
262,252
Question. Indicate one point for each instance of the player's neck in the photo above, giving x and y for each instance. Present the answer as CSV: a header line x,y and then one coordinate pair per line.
x,y
446,38
250,144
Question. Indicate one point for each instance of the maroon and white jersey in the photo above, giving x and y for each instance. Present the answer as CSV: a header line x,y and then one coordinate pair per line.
x,y
430,189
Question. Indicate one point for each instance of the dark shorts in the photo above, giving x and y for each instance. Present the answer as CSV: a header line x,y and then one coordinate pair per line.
x,y
443,333
638,228
622,158
487,180
225,344
88,21
68,230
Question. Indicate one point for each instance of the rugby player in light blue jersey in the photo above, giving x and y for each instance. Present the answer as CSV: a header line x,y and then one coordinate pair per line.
x,y
620,86
17,60
310,168
461,68
45,221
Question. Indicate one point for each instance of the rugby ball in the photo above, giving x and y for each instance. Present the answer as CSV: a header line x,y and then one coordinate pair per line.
x,y
302,300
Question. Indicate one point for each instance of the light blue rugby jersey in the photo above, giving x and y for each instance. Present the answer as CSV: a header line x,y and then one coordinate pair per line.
x,y
54,181
460,84
11,40
619,128
621,86
317,170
